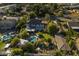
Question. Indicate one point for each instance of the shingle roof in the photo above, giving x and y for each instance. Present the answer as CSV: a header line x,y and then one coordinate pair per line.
x,y
61,43
77,43
35,21
74,24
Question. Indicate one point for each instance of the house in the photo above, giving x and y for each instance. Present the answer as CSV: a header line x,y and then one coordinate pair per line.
x,y
74,25
36,25
8,24
61,44
54,17
77,43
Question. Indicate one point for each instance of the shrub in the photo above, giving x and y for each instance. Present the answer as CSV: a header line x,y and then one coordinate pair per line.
x,y
23,34
28,47
17,51
14,42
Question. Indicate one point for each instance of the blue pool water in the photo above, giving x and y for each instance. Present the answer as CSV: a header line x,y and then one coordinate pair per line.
x,y
33,38
6,37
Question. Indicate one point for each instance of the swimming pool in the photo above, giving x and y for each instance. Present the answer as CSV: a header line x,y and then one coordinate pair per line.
x,y
33,38
6,37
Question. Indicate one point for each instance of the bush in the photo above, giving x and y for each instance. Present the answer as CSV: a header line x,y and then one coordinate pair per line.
x,y
52,28
2,44
14,42
41,36
72,33
63,33
23,34
17,51
28,47
45,36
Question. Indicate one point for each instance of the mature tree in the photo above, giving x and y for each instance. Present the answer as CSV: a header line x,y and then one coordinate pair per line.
x,y
40,9
23,34
32,14
37,8
14,11
71,32
52,28
47,17
71,43
22,22
28,47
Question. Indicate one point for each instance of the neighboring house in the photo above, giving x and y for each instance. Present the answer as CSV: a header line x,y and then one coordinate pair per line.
x,y
22,42
77,43
62,19
36,25
61,44
54,17
8,23
74,25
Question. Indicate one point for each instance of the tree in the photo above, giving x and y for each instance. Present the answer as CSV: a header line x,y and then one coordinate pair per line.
x,y
60,14
58,53
71,43
14,42
32,14
28,47
39,9
17,51
47,17
14,10
52,28
22,22
63,33
23,34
